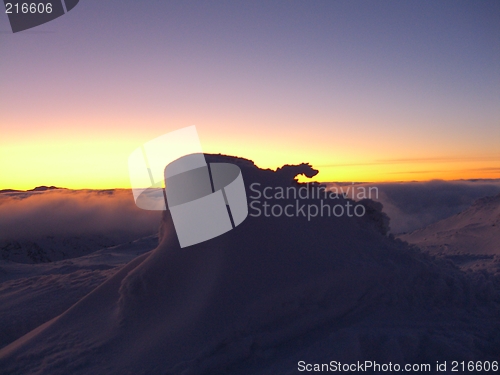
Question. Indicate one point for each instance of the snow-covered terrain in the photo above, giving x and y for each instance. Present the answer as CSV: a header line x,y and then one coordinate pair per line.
x,y
259,299
470,238
54,248
31,294
414,205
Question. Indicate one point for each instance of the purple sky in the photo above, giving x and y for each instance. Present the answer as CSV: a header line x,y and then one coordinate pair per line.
x,y
334,83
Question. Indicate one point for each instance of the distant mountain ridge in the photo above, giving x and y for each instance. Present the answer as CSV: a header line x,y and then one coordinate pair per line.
x,y
471,238
44,188
38,188
475,230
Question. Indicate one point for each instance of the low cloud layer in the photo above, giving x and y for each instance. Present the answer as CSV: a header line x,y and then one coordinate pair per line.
x,y
414,205
28,216
69,213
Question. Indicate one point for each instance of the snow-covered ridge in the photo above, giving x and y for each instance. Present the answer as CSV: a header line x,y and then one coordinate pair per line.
x,y
470,239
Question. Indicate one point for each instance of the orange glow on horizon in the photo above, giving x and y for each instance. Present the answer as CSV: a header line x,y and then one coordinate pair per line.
x,y
103,164
96,156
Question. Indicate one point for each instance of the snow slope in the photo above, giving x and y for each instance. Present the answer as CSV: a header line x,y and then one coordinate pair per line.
x,y
265,295
54,248
31,294
470,238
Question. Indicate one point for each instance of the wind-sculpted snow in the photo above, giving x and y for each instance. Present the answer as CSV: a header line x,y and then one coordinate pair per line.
x,y
269,293
31,294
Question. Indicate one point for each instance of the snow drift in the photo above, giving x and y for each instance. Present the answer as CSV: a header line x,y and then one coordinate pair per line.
x,y
265,295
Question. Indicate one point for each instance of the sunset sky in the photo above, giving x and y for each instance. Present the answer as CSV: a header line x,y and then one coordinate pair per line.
x,y
363,90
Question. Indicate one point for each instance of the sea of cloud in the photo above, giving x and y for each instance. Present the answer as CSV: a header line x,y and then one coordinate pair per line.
x,y
414,205
66,213
62,212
